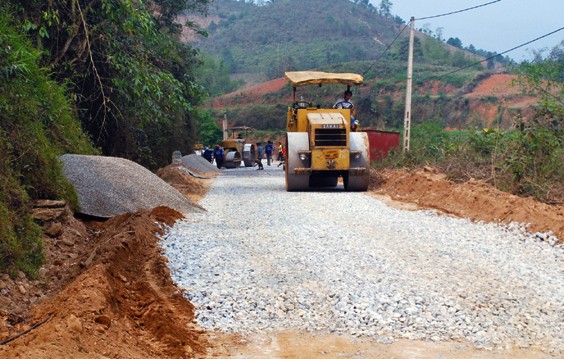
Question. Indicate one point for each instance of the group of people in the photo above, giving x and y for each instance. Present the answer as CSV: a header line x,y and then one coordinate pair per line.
x,y
213,154
268,151
216,154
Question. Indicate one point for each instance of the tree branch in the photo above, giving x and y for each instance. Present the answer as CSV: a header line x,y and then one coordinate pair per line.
x,y
105,100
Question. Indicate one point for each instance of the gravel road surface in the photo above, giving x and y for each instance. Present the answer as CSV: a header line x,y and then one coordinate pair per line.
x,y
262,259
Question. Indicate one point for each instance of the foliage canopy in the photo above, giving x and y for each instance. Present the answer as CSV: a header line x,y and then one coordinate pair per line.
x,y
78,75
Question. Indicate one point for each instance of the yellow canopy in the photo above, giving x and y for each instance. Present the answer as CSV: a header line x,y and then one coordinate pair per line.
x,y
302,78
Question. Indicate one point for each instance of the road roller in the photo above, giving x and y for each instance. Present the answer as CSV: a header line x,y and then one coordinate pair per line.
x,y
236,150
322,145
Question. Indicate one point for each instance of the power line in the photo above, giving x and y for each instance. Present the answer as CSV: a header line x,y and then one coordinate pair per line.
x,y
384,52
458,11
423,18
493,56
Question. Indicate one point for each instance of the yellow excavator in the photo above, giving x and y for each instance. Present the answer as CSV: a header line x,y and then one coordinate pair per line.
x,y
321,145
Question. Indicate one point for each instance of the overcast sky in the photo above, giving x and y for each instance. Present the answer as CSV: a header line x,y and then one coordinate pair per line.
x,y
496,27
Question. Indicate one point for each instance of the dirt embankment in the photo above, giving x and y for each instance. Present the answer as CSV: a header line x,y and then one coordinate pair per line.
x,y
121,304
475,200
106,290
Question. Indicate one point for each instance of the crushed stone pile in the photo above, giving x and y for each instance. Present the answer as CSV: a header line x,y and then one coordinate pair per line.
x,y
108,186
198,163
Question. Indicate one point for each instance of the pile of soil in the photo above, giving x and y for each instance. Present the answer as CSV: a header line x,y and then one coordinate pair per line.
x,y
106,290
112,296
191,187
474,199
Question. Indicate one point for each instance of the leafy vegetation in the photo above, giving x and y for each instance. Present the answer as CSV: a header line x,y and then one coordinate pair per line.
x,y
215,76
37,125
86,77
278,36
132,81
526,160
287,35
209,131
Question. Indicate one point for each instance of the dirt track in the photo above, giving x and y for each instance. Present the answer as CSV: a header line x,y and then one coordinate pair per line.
x,y
106,291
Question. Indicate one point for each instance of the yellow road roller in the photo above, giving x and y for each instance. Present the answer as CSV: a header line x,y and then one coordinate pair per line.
x,y
321,145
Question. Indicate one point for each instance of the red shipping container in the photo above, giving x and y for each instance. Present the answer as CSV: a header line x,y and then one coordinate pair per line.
x,y
381,142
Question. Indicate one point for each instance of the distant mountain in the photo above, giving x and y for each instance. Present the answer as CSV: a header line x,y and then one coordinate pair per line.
x,y
294,34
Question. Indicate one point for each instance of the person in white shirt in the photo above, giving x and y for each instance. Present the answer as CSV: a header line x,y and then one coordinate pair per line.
x,y
346,103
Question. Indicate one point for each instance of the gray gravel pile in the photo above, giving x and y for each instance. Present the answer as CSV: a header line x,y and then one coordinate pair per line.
x,y
198,163
262,259
108,186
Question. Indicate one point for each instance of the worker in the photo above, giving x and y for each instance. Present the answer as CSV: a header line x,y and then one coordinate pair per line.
x,y
260,153
269,149
283,161
280,154
208,154
218,156
345,102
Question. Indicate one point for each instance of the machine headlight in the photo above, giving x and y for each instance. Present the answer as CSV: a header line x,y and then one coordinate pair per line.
x,y
303,156
357,156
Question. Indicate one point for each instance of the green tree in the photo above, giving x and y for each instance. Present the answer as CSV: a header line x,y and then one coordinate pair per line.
x,y
385,8
209,132
132,79
214,73
545,78
456,42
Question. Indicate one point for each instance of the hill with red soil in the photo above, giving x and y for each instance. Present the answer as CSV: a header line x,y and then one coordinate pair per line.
x,y
495,100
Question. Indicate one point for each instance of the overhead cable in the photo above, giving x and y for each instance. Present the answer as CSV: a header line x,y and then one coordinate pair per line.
x,y
493,56
385,50
458,11
423,18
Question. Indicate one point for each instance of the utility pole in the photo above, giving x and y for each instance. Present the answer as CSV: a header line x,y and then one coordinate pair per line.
x,y
225,126
407,117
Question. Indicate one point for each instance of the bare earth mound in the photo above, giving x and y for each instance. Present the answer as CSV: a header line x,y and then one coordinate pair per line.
x,y
475,200
123,303
184,183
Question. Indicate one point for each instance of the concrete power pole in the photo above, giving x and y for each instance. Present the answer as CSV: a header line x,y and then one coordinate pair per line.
x,y
407,118
224,126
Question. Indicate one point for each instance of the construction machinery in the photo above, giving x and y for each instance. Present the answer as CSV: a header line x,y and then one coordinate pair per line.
x,y
235,150
321,147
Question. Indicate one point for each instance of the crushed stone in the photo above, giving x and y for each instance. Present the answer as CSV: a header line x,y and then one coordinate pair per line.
x,y
341,262
198,163
109,186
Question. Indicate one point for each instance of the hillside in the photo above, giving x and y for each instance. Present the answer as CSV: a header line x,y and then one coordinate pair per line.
x,y
491,100
300,35
257,44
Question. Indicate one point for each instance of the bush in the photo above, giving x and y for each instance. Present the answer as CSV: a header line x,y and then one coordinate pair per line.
x,y
526,161
37,125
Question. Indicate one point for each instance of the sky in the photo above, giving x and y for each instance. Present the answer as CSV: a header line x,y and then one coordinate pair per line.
x,y
497,27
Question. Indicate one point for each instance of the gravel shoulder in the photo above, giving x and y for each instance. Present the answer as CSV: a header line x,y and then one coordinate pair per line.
x,y
264,260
